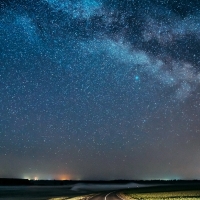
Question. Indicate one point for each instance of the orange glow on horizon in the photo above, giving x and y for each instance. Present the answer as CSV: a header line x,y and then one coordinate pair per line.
x,y
63,177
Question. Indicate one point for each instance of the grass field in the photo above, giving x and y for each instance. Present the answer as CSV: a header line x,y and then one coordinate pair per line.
x,y
83,197
39,193
189,191
190,195
180,192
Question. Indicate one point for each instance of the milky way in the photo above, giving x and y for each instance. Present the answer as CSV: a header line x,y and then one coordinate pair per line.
x,y
100,89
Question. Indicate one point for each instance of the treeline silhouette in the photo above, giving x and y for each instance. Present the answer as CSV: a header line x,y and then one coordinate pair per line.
x,y
20,182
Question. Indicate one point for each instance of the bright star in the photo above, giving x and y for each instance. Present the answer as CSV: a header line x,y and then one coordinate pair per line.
x,y
137,78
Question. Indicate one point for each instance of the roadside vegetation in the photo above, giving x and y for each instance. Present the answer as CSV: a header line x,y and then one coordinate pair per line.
x,y
83,197
180,192
189,195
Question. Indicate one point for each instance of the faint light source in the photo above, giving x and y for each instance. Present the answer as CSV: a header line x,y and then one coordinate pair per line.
x,y
36,178
27,178
63,177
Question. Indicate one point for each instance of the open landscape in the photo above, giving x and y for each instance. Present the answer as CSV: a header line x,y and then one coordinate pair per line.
x,y
42,192
183,192
177,195
104,191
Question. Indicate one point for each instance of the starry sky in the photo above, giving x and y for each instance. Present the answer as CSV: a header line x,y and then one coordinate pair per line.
x,y
100,89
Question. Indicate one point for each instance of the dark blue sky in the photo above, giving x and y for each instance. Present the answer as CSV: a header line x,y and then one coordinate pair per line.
x,y
94,89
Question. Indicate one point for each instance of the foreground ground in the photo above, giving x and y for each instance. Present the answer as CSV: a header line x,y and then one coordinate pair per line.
x,y
143,192
167,192
37,192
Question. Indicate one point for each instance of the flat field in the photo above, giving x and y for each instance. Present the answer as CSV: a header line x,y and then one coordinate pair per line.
x,y
167,192
37,192
85,191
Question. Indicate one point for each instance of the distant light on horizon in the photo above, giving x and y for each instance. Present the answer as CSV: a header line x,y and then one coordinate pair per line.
x,y
27,178
63,177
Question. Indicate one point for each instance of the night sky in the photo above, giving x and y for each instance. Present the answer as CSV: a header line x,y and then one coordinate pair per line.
x,y
100,89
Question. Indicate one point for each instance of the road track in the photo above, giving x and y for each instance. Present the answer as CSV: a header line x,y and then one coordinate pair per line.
x,y
107,196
